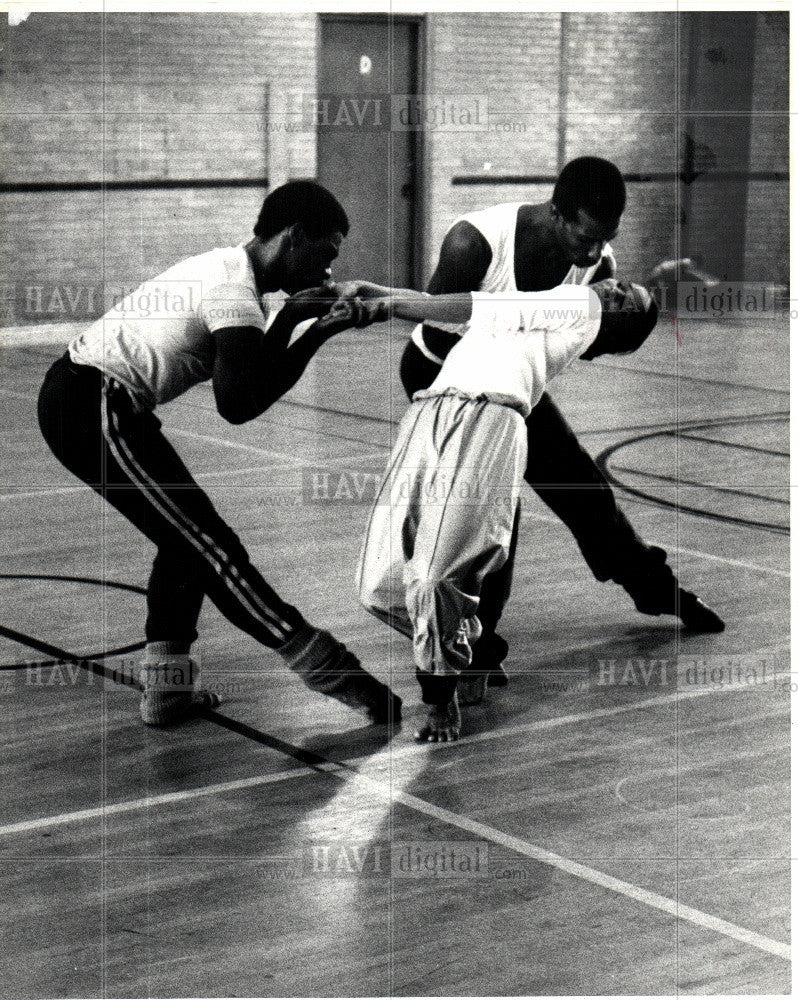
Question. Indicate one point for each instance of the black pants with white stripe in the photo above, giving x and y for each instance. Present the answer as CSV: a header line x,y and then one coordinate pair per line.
x,y
94,429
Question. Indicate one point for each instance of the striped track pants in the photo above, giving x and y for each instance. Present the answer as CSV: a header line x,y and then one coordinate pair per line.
x,y
94,429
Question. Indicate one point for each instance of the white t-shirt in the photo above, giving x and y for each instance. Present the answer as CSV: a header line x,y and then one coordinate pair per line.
x,y
517,342
498,224
158,340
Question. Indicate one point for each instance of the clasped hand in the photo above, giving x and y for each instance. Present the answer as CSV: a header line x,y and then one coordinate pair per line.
x,y
342,305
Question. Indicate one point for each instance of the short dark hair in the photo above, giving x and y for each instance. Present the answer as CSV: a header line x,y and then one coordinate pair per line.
x,y
304,202
592,184
626,330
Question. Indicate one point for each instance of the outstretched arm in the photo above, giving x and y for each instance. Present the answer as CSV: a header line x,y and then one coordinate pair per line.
x,y
404,303
464,260
419,307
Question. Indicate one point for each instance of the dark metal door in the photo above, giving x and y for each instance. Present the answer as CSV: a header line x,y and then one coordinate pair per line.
x,y
365,64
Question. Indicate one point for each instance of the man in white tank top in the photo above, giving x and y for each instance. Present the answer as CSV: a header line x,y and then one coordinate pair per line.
x,y
526,247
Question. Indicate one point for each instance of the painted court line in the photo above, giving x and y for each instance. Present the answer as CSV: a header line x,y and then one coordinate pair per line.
x,y
645,896
733,562
45,491
336,767
324,463
130,805
532,516
540,725
238,445
488,833
221,473
680,772
15,393
294,463
291,460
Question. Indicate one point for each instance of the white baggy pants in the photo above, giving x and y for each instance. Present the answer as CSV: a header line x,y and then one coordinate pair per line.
x,y
442,520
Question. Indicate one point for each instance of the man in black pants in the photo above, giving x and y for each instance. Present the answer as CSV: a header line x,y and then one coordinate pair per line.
x,y
205,319
528,248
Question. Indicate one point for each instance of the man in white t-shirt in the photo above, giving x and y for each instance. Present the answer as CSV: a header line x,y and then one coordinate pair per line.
x,y
205,319
533,247
444,515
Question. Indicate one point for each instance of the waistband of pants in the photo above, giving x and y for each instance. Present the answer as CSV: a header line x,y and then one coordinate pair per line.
x,y
138,404
500,398
88,372
96,379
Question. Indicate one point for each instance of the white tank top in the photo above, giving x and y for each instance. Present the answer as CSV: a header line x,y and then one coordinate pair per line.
x,y
498,224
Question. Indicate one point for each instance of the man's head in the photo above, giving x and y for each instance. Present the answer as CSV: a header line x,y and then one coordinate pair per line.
x,y
311,225
587,205
628,315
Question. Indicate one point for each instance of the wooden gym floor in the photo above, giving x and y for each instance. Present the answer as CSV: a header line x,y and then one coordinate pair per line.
x,y
618,816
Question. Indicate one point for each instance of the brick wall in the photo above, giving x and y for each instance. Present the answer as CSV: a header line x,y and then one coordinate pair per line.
x,y
767,248
151,96
627,75
513,59
621,104
621,95
612,110
176,96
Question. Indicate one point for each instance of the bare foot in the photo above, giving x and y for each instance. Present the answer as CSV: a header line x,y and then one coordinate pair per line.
x,y
443,724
